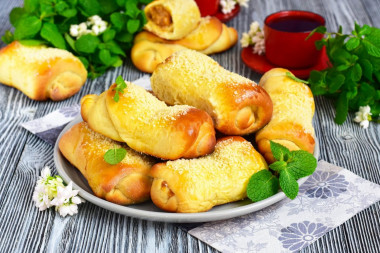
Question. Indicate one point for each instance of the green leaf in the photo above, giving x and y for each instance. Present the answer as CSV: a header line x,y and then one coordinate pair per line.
x,y
15,15
341,108
32,43
108,6
89,7
118,20
114,156
124,37
280,152
356,72
61,6
108,35
84,61
367,68
115,48
288,184
371,48
120,86
69,13
121,3
70,41
335,81
133,25
31,5
319,29
290,75
278,165
302,164
319,44
105,57
131,9
87,44
352,43
118,62
365,30
317,82
7,38
262,185
50,33
27,27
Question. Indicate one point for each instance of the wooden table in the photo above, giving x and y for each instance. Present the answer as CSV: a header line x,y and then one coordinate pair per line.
x,y
22,155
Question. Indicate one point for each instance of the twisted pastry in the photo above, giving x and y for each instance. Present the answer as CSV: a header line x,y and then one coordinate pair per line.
x,y
148,125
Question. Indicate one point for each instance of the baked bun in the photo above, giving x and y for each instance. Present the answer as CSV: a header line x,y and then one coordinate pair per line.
x,y
293,111
148,125
197,185
125,183
172,19
41,73
237,105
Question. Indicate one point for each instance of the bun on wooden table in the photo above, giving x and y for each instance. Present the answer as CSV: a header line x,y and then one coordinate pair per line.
x,y
197,185
125,183
237,105
172,19
293,111
148,125
41,73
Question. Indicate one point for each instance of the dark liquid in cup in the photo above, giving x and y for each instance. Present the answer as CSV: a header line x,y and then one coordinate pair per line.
x,y
294,24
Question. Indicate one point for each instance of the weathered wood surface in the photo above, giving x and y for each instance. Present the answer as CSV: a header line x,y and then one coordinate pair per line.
x,y
22,155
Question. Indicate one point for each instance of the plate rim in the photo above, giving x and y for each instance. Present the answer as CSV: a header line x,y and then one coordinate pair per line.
x,y
166,216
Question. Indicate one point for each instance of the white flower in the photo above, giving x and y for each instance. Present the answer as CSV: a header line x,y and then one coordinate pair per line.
x,y
243,2
74,30
66,209
245,40
227,5
259,47
94,19
363,116
254,28
41,198
99,27
45,173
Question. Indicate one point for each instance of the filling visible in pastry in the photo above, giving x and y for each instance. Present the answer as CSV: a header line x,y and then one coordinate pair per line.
x,y
160,16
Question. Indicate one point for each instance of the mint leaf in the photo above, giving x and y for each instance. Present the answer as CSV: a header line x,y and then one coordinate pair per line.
x,y
50,33
280,152
108,35
367,68
87,44
356,72
7,38
118,20
262,185
288,184
115,155
120,86
133,25
27,27
15,15
89,7
131,9
301,164
70,41
31,5
352,43
371,48
319,29
290,75
278,165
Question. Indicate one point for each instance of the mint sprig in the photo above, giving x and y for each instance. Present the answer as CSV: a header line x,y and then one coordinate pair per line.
x,y
289,166
353,78
115,155
120,86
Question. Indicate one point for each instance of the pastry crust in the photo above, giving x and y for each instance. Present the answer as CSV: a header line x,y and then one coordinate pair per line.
x,y
172,19
293,111
237,105
41,73
125,183
148,125
197,185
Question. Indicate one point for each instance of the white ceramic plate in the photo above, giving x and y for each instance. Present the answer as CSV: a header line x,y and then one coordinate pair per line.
x,y
147,210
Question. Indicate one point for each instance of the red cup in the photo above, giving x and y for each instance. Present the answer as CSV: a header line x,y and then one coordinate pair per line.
x,y
207,7
285,35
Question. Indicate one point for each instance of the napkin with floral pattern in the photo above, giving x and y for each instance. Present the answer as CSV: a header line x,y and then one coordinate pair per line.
x,y
328,198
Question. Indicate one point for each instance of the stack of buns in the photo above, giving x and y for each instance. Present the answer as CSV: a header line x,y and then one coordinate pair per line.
x,y
178,161
175,25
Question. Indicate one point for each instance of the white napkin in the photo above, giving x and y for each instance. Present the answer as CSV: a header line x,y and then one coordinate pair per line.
x,y
330,196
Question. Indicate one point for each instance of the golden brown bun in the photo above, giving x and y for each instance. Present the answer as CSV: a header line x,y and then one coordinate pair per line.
x,y
211,36
293,110
41,73
125,183
196,185
148,125
172,19
237,105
